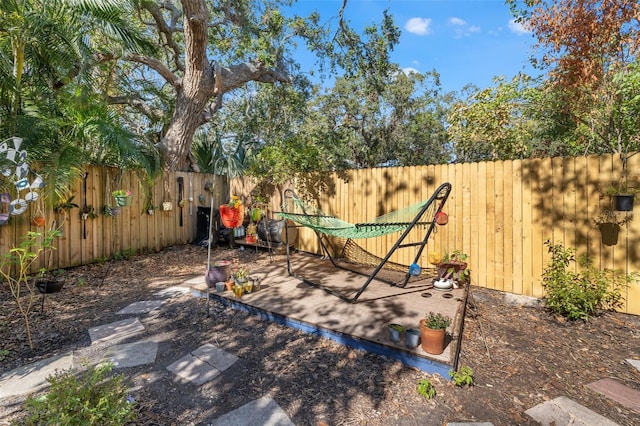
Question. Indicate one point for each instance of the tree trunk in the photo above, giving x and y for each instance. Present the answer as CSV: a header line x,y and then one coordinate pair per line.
x,y
199,87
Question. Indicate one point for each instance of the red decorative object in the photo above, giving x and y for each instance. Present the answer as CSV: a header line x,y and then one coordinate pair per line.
x,y
231,216
442,218
251,239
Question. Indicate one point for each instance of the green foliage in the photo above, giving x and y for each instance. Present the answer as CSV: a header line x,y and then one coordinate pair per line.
x,y
437,321
577,295
426,388
15,266
3,354
92,397
462,378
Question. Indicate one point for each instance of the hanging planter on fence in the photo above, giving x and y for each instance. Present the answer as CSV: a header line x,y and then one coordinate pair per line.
x,y
624,203
122,197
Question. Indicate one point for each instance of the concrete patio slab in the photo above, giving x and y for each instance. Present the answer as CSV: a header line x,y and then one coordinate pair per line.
x,y
194,370
33,377
116,331
170,292
564,411
215,356
131,354
142,307
619,392
264,411
203,364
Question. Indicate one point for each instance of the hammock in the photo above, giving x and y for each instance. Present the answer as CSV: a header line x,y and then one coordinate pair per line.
x,y
312,217
404,220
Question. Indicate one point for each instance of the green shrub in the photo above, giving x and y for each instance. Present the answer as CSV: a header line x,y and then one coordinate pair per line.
x,y
580,295
426,389
462,378
92,397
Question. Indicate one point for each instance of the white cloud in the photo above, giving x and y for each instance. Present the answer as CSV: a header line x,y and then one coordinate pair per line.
x,y
409,70
462,28
419,26
518,28
457,21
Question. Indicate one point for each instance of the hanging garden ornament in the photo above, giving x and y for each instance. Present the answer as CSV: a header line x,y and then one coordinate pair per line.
x,y
415,269
442,218
10,150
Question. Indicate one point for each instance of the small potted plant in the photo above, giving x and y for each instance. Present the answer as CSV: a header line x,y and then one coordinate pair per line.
x,y
122,197
240,276
454,267
88,212
433,332
623,194
609,223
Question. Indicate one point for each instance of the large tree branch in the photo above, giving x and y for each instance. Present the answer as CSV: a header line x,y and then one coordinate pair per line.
x,y
237,75
153,114
167,29
158,66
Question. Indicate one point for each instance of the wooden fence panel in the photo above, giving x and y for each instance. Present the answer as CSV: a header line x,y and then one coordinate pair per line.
x,y
500,213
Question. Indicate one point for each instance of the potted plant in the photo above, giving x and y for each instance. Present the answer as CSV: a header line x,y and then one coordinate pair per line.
x,y
433,332
240,275
88,212
623,194
454,267
232,213
252,232
609,223
395,331
122,197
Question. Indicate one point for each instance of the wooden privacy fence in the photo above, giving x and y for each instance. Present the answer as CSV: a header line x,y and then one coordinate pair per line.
x,y
500,214
133,230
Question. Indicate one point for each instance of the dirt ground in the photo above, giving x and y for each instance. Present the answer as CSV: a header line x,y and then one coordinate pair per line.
x,y
520,356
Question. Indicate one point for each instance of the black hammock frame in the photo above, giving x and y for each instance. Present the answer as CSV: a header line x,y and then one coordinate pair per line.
x,y
439,196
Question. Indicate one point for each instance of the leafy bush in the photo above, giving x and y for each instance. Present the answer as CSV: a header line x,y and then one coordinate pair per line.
x,y
426,389
92,397
462,378
580,295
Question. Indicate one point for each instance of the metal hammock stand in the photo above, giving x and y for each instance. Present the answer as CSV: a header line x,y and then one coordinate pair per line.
x,y
404,220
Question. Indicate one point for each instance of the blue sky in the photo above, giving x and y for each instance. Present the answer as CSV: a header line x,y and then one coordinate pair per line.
x,y
465,41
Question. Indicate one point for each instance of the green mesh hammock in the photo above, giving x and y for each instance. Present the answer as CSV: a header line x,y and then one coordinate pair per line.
x,y
312,217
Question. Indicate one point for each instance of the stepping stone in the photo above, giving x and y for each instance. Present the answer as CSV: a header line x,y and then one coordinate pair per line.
x,y
203,364
33,377
116,331
564,411
470,424
264,411
635,363
170,292
143,307
622,394
131,354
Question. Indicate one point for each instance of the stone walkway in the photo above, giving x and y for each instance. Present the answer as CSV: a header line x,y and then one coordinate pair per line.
x,y
208,361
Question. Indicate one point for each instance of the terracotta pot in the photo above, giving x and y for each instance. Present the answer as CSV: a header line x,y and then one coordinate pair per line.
x,y
229,284
39,221
432,340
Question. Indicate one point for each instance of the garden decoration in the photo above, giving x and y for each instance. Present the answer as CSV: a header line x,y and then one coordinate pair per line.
x,y
404,221
122,197
13,155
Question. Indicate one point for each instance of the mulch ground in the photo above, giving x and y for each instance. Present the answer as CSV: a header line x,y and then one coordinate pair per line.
x,y
521,356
